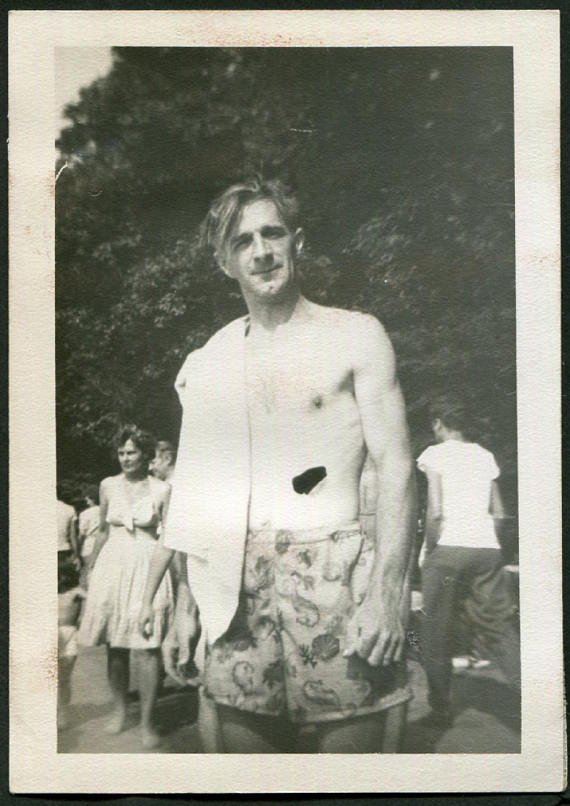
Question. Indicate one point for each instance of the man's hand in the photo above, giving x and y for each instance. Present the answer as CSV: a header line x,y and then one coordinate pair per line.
x,y
91,560
375,632
178,646
146,620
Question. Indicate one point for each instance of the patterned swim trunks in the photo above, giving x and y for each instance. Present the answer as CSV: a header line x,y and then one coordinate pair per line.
x,y
282,654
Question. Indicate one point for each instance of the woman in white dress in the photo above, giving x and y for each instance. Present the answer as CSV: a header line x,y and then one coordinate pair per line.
x,y
133,506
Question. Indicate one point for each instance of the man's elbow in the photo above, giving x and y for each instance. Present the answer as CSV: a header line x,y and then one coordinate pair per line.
x,y
396,475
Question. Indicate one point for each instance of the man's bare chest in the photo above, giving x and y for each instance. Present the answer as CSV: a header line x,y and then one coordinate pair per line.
x,y
295,375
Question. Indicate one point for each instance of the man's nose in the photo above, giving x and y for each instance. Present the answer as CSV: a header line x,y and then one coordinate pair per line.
x,y
261,250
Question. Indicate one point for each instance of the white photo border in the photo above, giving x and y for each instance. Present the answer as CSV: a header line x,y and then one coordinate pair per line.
x,y
35,765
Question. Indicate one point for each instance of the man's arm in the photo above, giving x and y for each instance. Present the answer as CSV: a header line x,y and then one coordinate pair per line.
x,y
179,642
377,631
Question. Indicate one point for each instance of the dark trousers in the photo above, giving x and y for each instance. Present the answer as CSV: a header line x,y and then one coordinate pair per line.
x,y
465,585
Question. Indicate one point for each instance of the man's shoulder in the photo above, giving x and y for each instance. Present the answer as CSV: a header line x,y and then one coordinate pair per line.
x,y
214,346
349,320
220,335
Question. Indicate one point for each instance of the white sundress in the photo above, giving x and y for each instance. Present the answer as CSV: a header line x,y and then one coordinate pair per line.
x,y
119,577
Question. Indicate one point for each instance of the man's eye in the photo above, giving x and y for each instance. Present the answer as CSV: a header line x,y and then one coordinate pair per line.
x,y
240,243
273,232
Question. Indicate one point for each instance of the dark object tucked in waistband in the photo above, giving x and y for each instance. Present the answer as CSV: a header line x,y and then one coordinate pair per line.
x,y
305,482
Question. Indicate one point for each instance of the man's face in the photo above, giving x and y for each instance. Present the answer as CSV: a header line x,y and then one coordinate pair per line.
x,y
161,465
260,252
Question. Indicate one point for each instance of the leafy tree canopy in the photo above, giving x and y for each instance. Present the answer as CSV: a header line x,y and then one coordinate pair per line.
x,y
403,163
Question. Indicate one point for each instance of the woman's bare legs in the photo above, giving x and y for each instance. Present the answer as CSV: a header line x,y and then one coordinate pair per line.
x,y
118,674
149,662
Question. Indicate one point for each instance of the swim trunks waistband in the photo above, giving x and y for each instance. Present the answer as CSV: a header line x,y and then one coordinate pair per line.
x,y
313,535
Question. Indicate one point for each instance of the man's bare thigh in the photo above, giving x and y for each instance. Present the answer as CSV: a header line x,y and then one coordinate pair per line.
x,y
374,733
245,732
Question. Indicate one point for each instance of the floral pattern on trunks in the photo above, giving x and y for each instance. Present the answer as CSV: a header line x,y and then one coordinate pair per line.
x,y
282,653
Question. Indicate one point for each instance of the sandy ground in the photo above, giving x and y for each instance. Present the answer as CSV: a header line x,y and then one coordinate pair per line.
x,y
487,721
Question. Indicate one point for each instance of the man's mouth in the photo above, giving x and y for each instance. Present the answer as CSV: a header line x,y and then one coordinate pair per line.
x,y
266,271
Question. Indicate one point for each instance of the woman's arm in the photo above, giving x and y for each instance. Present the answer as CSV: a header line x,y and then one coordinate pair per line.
x,y
497,510
434,510
103,533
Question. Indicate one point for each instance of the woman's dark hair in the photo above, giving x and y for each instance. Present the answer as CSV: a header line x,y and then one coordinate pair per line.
x,y
454,412
67,574
143,440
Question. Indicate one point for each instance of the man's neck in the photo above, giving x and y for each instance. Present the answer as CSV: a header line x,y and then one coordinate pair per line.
x,y
271,316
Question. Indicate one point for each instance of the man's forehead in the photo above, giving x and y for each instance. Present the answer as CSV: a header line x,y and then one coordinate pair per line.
x,y
256,214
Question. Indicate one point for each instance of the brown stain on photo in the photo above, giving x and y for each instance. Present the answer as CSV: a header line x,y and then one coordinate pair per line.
x,y
48,668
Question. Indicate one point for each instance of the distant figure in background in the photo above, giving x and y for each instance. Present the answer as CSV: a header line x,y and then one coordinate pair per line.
x,y
164,462
178,660
88,531
463,564
133,506
69,599
67,530
179,657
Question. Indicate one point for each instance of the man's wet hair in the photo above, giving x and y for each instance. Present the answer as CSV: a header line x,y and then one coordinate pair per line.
x,y
226,209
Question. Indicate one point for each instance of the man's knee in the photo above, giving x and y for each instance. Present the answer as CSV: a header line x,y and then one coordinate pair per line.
x,y
360,734
247,732
146,656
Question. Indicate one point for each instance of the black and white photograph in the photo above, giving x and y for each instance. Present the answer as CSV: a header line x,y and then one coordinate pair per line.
x,y
287,401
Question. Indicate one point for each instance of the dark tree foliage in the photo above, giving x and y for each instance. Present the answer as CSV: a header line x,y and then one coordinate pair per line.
x,y
403,163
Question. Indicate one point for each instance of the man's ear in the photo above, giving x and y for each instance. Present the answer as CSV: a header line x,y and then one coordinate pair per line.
x,y
298,240
221,263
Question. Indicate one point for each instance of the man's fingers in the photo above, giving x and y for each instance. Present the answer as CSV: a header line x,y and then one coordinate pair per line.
x,y
388,649
377,655
351,638
365,645
399,650
170,666
184,653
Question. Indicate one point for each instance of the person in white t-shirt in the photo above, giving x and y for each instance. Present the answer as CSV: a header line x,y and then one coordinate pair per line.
x,y
463,565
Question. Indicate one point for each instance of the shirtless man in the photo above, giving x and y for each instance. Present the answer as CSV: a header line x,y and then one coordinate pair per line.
x,y
315,650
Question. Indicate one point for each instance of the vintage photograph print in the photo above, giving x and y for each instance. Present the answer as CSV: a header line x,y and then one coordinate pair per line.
x,y
397,164
289,448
